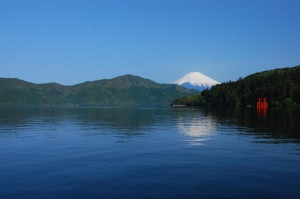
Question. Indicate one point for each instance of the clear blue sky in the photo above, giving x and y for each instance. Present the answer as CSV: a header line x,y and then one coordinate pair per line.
x,y
73,41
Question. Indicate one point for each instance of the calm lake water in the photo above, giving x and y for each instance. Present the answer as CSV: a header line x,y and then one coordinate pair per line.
x,y
149,153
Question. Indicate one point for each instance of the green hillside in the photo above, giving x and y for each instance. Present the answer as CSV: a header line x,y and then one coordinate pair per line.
x,y
127,90
280,86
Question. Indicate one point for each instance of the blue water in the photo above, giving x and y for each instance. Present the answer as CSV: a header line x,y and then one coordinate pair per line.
x,y
149,153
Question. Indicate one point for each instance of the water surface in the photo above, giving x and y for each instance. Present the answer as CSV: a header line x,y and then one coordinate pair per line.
x,y
149,153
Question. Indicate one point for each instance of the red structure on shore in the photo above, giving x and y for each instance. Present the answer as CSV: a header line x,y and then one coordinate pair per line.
x,y
262,101
262,106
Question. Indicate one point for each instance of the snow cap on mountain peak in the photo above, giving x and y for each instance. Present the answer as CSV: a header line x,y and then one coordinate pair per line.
x,y
196,80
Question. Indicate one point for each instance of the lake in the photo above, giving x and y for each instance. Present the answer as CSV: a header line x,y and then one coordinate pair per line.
x,y
59,152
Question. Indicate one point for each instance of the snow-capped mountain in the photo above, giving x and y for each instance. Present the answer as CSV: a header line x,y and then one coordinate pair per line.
x,y
196,80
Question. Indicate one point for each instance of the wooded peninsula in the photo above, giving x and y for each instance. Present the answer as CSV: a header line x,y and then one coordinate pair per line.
x,y
280,86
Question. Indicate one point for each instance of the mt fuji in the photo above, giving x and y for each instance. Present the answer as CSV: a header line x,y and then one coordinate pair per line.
x,y
196,80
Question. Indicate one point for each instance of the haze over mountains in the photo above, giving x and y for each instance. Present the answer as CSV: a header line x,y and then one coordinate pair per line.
x,y
196,80
127,90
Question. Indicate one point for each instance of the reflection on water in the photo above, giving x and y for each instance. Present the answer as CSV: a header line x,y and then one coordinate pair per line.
x,y
147,153
262,111
126,122
198,128
269,125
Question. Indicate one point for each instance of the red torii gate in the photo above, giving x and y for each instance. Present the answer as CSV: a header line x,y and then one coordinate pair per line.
x,y
262,106
262,101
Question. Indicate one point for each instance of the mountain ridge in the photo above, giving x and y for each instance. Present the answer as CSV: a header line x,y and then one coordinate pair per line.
x,y
128,90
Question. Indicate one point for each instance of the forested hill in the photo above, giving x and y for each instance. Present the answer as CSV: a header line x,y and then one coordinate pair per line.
x,y
125,90
280,86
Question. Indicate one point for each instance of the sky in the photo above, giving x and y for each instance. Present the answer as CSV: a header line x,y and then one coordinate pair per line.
x,y
73,41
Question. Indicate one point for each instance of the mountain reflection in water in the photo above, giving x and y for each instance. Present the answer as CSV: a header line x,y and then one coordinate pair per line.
x,y
271,125
186,152
199,124
199,128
